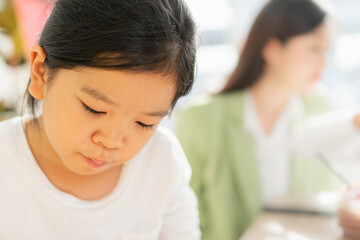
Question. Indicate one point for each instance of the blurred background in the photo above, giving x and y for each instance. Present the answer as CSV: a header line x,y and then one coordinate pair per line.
x,y
224,24
21,22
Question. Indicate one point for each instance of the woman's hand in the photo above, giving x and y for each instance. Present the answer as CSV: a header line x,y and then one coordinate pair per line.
x,y
350,224
349,214
356,120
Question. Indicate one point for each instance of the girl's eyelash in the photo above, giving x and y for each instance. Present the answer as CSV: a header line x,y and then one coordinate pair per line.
x,y
92,111
145,126
97,113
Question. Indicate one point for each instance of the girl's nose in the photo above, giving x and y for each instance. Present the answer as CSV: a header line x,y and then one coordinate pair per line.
x,y
111,138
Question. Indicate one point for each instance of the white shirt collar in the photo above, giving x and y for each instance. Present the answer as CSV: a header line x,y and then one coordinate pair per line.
x,y
251,121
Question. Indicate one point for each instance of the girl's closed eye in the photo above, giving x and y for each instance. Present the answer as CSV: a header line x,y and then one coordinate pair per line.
x,y
92,111
99,113
145,126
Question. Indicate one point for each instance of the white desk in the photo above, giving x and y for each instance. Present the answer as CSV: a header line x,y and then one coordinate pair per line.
x,y
288,226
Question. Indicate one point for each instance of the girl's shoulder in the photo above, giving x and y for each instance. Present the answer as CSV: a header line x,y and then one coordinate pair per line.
x,y
164,150
12,140
165,144
162,165
8,129
164,141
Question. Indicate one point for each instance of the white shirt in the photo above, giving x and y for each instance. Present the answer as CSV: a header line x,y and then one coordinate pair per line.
x,y
272,151
152,199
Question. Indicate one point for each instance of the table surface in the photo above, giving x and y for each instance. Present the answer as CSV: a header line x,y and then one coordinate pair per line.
x,y
293,226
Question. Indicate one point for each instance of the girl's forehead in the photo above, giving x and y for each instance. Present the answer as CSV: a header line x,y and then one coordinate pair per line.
x,y
100,76
110,85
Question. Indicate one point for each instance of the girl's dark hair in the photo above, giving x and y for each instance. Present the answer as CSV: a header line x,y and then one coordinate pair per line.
x,y
279,19
134,35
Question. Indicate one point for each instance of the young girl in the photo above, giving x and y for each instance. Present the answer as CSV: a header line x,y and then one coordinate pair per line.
x,y
93,163
238,141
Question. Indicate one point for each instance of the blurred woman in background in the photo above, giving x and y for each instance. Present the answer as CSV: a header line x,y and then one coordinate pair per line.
x,y
238,141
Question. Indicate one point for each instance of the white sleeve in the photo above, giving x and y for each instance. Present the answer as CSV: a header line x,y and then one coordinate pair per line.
x,y
324,133
181,220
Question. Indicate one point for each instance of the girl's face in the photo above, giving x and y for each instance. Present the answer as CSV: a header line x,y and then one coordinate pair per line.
x,y
300,62
95,119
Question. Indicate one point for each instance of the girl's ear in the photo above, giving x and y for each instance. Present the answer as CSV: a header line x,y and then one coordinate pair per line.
x,y
272,51
38,72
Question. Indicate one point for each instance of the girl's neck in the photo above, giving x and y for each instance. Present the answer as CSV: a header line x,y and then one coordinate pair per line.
x,y
270,98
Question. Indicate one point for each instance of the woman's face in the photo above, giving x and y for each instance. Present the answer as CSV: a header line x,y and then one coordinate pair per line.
x,y
301,60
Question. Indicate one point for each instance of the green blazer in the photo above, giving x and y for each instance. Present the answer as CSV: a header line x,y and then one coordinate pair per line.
x,y
225,172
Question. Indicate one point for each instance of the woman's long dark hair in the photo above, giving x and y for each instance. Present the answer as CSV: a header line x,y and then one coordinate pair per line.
x,y
135,35
279,19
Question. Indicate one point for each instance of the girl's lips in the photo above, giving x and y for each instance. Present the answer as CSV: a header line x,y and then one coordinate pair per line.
x,y
94,163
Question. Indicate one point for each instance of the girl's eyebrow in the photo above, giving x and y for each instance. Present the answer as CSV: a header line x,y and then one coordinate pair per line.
x,y
157,114
98,95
